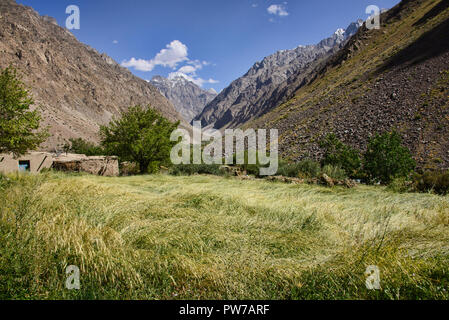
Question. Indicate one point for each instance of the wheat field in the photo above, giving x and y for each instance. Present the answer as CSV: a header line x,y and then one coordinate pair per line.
x,y
207,237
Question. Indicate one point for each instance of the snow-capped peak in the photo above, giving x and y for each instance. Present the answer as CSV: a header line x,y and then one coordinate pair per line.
x,y
340,32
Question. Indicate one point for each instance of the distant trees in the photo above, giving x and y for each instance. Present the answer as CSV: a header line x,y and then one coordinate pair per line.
x,y
384,160
81,146
141,135
19,126
336,153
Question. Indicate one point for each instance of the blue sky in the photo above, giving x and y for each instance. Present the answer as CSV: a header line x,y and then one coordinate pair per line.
x,y
211,41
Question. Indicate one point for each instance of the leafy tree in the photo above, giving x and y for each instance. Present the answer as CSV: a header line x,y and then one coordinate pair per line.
x,y
386,159
142,135
18,124
337,154
81,146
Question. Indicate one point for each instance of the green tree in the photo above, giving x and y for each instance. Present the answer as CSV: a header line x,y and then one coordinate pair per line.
x,y
81,146
386,159
18,124
142,135
338,154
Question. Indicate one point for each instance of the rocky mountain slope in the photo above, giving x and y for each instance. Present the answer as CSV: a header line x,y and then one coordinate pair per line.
x,y
188,98
252,95
395,77
77,88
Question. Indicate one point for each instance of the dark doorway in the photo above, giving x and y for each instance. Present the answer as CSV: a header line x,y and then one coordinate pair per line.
x,y
24,166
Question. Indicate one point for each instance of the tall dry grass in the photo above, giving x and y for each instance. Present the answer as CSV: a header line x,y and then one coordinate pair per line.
x,y
206,237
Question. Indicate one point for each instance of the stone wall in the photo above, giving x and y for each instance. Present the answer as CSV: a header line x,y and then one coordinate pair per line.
x,y
101,166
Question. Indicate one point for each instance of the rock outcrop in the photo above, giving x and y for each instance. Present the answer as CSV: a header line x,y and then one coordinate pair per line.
x,y
188,98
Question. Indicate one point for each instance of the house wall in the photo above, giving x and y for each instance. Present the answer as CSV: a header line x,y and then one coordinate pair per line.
x,y
38,161
103,166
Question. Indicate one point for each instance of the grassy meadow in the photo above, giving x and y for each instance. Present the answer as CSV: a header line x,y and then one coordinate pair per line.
x,y
208,237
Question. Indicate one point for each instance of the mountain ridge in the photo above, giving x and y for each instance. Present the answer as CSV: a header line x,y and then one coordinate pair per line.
x,y
188,98
249,96
395,78
77,88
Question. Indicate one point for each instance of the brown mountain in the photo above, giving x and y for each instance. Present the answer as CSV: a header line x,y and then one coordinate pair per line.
x,y
77,87
393,78
188,98
256,93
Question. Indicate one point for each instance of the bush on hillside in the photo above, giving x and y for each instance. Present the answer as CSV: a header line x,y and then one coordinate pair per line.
x,y
386,159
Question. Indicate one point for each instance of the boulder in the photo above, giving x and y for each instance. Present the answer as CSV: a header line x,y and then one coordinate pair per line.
x,y
348,183
326,180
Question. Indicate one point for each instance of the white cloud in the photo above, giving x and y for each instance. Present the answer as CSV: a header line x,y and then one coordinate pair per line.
x,y
175,53
278,10
189,72
191,77
197,64
115,42
138,64
171,56
254,5
187,69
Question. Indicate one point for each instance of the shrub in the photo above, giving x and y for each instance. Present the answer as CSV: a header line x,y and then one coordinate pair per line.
x,y
436,181
335,172
386,159
251,169
129,168
191,169
336,153
288,169
309,168
303,169
81,146
400,185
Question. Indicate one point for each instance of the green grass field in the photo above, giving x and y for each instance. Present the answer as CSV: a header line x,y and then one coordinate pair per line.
x,y
206,237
